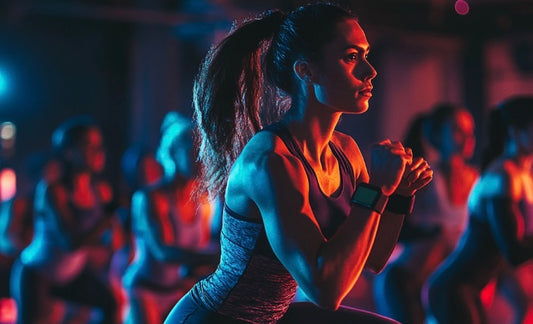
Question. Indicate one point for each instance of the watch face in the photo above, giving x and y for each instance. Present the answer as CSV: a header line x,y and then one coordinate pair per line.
x,y
365,196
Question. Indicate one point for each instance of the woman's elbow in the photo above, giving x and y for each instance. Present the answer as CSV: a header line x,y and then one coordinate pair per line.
x,y
330,303
325,286
327,298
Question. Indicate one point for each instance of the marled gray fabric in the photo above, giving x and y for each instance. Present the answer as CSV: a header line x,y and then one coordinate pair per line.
x,y
249,283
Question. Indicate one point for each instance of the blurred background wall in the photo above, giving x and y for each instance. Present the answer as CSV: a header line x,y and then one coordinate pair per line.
x,y
127,62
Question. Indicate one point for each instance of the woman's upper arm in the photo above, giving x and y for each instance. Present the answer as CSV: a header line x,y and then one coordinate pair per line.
x,y
55,198
145,210
506,219
280,191
275,182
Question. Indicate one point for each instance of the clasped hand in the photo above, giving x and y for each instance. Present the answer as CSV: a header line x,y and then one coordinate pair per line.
x,y
394,169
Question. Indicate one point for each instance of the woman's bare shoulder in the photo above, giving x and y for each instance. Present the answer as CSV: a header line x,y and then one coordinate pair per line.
x,y
347,144
500,180
264,160
263,145
342,139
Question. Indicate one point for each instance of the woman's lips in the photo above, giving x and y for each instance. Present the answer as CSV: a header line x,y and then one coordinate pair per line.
x,y
367,92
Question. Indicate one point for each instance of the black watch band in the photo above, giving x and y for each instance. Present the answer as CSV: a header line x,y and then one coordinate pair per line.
x,y
400,204
370,197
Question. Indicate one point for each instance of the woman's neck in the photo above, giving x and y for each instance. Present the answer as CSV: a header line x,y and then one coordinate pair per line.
x,y
453,163
82,179
312,131
522,159
459,177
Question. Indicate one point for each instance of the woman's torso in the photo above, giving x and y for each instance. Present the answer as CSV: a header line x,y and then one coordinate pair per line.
x,y
250,282
184,225
48,252
478,257
433,209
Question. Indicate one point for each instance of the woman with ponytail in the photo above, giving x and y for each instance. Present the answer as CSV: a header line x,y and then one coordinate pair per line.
x,y
301,208
500,225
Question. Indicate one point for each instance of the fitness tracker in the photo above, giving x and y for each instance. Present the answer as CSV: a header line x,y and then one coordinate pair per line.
x,y
370,197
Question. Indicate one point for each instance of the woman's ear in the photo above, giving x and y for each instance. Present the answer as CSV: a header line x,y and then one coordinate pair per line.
x,y
302,69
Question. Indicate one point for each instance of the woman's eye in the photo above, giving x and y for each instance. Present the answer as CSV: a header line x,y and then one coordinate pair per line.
x,y
351,57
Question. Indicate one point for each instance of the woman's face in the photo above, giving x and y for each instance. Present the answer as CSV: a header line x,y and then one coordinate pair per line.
x,y
150,170
92,151
525,138
184,155
344,75
457,136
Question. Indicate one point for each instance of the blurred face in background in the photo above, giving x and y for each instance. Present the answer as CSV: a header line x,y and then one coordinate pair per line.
x,y
92,151
457,136
524,139
150,171
51,171
184,154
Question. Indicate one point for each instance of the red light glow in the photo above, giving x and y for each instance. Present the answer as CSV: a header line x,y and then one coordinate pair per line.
x,y
8,184
8,310
461,7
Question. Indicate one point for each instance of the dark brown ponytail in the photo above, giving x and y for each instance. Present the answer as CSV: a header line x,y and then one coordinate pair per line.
x,y
228,93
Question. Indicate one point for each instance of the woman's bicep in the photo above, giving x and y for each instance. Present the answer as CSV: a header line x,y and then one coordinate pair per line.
x,y
504,218
61,217
291,228
146,211
507,226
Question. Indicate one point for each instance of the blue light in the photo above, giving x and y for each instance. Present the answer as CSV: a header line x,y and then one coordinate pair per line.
x,y
3,83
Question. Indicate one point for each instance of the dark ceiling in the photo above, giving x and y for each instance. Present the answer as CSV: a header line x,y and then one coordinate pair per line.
x,y
486,17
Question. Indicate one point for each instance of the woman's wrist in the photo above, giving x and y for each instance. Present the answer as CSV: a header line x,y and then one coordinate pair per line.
x,y
400,204
404,192
371,197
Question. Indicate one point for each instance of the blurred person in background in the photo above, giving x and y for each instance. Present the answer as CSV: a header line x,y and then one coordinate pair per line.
x,y
70,219
16,220
499,234
171,229
139,168
431,232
